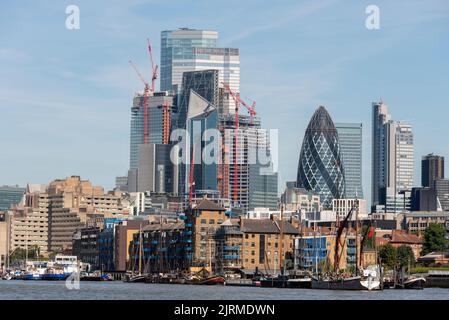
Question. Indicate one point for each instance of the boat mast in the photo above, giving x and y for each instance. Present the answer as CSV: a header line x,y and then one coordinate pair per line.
x,y
357,249
281,237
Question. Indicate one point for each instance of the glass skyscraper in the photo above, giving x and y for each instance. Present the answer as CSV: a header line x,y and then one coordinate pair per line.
x,y
177,45
392,162
350,138
185,50
10,195
320,167
156,123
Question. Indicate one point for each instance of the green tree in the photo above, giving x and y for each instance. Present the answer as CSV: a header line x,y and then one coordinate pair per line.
x,y
405,256
388,254
434,238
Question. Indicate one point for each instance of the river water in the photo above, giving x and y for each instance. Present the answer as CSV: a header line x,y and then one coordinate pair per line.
x,y
57,290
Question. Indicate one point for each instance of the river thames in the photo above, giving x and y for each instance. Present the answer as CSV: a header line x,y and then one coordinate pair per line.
x,y
117,290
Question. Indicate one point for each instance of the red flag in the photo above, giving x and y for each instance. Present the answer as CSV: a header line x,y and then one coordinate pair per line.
x,y
371,232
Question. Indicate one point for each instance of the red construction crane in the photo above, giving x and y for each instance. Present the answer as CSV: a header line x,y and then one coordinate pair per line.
x,y
236,96
252,112
154,68
146,92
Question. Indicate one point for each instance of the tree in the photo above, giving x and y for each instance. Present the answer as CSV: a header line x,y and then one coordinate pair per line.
x,y
405,256
388,254
434,238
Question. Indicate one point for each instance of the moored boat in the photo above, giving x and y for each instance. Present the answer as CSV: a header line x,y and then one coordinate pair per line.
x,y
414,283
279,281
437,279
300,283
214,280
350,283
136,278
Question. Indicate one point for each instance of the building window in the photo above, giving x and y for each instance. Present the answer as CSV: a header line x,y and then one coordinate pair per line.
x,y
211,221
203,221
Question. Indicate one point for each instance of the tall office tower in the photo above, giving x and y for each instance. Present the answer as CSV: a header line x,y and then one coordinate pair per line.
x,y
156,172
441,187
186,50
257,179
10,195
392,171
432,168
178,44
320,167
159,123
350,138
404,156
378,174
202,116
200,92
204,83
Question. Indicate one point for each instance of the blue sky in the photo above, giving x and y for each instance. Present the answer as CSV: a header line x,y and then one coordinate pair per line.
x,y
65,95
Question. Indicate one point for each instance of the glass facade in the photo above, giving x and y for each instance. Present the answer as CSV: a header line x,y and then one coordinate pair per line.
x,y
205,84
350,138
320,166
10,195
177,45
155,123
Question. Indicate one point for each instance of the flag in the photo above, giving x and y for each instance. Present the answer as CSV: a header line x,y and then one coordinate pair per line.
x,y
371,233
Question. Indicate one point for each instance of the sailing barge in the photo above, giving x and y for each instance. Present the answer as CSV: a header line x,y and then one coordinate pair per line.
x,y
369,279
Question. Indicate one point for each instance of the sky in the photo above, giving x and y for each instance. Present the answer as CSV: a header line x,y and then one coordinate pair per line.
x,y
65,95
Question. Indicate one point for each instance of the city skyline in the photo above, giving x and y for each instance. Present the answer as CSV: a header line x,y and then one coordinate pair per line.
x,y
77,107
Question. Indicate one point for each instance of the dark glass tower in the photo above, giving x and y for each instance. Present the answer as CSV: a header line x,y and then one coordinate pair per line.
x,y
320,167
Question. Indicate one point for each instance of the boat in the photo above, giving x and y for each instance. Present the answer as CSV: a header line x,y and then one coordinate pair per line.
x,y
7,277
33,273
414,283
437,279
349,283
136,278
403,281
279,281
214,280
300,283
95,277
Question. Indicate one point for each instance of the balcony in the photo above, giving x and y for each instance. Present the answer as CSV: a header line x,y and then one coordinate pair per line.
x,y
228,248
231,256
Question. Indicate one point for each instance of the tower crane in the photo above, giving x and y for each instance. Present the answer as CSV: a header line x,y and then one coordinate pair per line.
x,y
147,91
252,112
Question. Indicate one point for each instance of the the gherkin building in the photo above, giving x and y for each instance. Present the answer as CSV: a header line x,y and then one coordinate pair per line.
x,y
320,167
